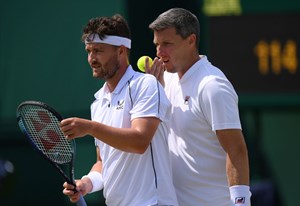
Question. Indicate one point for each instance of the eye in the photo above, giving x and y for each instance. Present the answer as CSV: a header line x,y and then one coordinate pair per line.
x,y
87,50
167,43
98,50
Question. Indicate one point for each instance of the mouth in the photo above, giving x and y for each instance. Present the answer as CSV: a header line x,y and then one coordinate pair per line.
x,y
165,62
95,67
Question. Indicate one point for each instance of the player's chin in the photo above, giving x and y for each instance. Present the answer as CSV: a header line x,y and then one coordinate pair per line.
x,y
96,74
169,68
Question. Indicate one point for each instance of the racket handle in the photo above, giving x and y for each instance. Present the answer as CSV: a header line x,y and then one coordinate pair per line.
x,y
81,202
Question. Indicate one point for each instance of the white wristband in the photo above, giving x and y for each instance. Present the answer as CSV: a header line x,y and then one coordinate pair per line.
x,y
240,195
96,179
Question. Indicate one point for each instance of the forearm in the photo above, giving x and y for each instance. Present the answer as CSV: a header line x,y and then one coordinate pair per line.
x,y
135,139
238,179
93,179
238,169
237,165
125,139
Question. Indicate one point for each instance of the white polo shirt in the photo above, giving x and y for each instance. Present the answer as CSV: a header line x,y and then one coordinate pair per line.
x,y
135,179
203,101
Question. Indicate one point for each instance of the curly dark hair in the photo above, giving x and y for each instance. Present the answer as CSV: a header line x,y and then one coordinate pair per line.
x,y
115,25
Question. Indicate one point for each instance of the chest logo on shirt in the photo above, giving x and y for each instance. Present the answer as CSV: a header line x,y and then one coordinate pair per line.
x,y
120,105
186,100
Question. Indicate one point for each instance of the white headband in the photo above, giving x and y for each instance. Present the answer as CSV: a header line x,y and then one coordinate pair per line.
x,y
109,39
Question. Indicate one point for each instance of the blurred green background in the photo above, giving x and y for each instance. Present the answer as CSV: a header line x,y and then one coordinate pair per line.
x,y
255,42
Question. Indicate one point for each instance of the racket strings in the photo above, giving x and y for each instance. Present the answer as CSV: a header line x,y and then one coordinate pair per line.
x,y
44,132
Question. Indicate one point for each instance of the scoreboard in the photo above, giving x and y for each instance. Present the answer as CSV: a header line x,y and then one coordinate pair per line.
x,y
259,53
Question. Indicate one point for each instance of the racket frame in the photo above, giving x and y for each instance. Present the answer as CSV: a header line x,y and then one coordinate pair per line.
x,y
70,179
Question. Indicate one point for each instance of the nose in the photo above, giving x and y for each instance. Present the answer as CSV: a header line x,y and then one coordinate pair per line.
x,y
91,55
159,51
91,58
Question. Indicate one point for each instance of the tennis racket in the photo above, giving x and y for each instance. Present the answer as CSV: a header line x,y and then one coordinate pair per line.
x,y
40,124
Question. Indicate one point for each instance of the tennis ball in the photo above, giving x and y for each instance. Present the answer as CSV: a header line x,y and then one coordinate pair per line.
x,y
142,62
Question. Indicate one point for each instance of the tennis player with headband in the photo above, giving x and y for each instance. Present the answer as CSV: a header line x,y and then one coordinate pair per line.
x,y
129,117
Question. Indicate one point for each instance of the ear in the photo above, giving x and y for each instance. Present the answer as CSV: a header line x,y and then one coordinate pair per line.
x,y
192,39
123,53
121,50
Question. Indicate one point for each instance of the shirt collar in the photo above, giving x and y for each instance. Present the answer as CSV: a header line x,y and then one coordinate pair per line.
x,y
124,80
194,67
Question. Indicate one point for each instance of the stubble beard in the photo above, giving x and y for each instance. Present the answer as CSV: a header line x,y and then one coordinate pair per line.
x,y
107,73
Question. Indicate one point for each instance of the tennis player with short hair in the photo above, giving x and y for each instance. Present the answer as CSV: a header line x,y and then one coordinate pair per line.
x,y
208,152
129,117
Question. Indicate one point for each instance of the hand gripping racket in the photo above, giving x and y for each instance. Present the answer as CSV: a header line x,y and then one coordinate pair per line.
x,y
40,124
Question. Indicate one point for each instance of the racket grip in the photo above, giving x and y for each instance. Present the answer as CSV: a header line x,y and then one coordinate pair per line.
x,y
81,202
